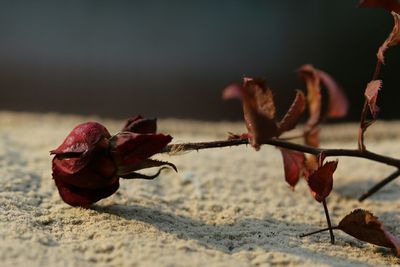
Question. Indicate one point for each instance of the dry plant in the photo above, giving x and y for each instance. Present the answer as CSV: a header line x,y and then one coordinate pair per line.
x,y
88,165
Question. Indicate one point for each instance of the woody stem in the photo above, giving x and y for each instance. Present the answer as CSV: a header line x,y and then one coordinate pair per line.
x,y
319,231
379,185
328,152
328,220
363,120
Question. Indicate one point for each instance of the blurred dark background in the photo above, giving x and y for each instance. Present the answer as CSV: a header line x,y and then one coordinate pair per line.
x,y
172,58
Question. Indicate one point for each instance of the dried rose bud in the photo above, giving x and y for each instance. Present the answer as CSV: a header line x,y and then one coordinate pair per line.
x,y
88,164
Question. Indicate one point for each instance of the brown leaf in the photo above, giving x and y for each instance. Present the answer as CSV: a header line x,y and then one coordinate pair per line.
x,y
321,181
293,115
259,111
338,104
294,165
364,226
389,5
312,80
312,137
371,94
393,39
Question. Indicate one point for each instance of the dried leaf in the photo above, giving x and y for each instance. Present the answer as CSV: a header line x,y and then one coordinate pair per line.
x,y
311,165
259,111
125,170
371,94
389,5
364,226
321,181
393,39
312,137
312,80
232,91
293,115
294,165
338,105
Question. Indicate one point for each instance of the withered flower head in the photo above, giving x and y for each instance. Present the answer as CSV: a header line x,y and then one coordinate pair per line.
x,y
88,164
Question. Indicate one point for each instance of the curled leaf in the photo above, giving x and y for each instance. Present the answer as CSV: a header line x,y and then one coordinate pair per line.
x,y
371,95
293,115
321,181
232,91
294,165
389,5
364,226
338,104
312,80
312,137
392,40
258,109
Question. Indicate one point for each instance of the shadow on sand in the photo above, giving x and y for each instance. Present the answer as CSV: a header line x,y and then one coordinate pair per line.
x,y
247,234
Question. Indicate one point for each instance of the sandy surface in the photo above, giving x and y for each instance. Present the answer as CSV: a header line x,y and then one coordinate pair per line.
x,y
225,207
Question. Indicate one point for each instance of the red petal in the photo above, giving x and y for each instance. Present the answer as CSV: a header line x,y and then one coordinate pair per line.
x,y
389,5
82,138
98,173
76,196
293,115
293,163
141,125
79,145
131,148
371,94
321,181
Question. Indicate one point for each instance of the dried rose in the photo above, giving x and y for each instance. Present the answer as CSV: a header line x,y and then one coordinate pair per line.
x,y
88,164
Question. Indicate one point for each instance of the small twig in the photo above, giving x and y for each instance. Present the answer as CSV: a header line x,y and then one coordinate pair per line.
x,y
328,220
319,231
379,185
377,70
363,120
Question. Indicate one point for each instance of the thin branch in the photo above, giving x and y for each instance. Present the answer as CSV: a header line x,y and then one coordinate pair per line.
x,y
178,148
328,220
319,231
364,123
379,185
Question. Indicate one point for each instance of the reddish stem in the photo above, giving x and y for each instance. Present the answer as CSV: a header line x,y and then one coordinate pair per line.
x,y
363,120
328,220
